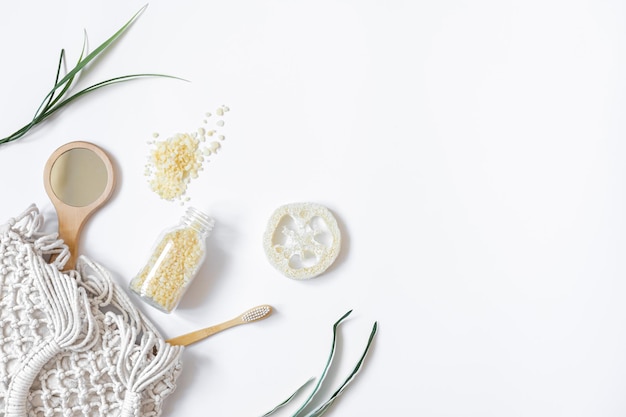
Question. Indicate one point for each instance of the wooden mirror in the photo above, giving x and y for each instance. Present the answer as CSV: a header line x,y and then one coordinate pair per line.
x,y
78,178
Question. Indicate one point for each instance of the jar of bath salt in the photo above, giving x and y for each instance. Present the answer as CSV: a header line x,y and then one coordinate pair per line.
x,y
175,260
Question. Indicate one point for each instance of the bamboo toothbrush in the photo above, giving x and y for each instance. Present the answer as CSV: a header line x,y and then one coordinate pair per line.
x,y
253,314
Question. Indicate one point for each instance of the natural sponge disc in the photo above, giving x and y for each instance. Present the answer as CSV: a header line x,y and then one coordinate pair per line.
x,y
302,240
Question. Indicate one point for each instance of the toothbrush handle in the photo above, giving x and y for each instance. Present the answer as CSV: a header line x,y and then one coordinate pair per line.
x,y
198,335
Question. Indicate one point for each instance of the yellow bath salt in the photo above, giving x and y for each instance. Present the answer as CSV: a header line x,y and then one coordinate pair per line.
x,y
174,162
164,277
175,260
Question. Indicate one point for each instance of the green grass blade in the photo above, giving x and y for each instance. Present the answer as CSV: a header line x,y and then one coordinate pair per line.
x,y
17,134
43,107
96,86
318,412
69,82
288,400
83,62
69,77
46,103
328,363
50,110
56,81
55,99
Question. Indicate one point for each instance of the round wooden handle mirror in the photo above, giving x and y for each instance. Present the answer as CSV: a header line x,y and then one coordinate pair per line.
x,y
78,178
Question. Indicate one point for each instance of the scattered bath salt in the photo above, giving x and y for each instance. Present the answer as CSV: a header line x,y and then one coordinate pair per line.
x,y
221,137
214,146
174,162
219,111
207,114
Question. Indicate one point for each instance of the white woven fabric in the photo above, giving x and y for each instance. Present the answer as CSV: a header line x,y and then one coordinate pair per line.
x,y
73,344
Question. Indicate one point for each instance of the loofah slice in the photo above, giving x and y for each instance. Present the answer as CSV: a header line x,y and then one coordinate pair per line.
x,y
302,240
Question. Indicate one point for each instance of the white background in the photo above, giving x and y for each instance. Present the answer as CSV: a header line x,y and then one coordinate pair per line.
x,y
472,152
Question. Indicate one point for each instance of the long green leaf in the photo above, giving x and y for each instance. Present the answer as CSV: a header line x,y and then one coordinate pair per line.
x,y
321,409
70,82
56,81
288,400
69,77
55,99
24,129
318,412
326,368
83,62
100,85
47,101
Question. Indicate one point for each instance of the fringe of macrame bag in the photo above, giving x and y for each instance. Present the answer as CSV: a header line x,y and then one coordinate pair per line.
x,y
28,226
67,301
66,306
144,356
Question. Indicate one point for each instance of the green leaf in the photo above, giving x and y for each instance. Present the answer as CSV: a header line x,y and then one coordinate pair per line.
x,y
56,79
101,84
321,409
69,83
324,407
326,368
83,62
288,400
56,97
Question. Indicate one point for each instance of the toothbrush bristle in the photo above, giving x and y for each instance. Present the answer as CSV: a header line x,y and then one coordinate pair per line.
x,y
256,313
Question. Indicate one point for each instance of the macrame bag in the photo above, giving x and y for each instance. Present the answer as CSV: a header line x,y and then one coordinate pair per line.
x,y
72,343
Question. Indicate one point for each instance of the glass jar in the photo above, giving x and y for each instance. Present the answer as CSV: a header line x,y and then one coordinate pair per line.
x,y
175,260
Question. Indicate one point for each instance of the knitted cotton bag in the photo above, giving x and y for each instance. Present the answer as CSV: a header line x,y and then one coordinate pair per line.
x,y
73,344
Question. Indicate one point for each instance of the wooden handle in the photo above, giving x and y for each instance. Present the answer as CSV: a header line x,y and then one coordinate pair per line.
x,y
71,223
254,314
197,335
